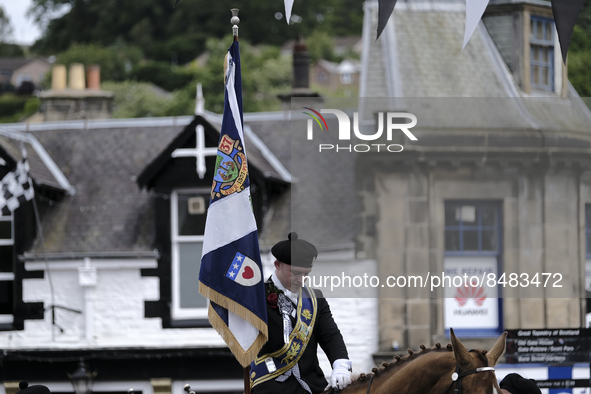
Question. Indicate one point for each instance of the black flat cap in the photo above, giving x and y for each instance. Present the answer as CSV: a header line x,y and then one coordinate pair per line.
x,y
295,251
36,389
516,384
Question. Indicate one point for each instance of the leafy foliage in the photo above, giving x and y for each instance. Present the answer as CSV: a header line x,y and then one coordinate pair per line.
x,y
11,50
114,60
5,26
180,34
579,57
162,75
265,74
137,99
16,108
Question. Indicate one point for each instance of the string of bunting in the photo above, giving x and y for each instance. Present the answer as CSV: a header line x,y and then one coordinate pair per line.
x,y
565,14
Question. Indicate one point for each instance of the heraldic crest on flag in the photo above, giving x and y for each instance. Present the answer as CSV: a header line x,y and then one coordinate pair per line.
x,y
15,188
231,269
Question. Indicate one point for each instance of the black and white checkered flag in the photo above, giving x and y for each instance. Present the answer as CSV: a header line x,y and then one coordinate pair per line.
x,y
15,188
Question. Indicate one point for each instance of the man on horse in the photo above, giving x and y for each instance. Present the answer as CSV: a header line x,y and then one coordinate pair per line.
x,y
299,320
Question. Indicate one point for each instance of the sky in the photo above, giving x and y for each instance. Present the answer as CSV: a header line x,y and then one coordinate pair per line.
x,y
25,32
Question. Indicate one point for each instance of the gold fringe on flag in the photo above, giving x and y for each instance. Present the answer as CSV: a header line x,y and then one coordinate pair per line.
x,y
244,357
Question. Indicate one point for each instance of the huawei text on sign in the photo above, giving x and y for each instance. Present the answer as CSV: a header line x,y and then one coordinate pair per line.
x,y
392,120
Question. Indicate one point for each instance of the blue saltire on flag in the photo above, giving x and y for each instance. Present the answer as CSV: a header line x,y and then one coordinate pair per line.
x,y
231,269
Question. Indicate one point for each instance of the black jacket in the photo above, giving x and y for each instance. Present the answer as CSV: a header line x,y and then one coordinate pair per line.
x,y
325,333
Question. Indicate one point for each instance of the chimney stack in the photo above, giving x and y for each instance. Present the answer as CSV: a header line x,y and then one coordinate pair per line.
x,y
301,74
301,65
76,101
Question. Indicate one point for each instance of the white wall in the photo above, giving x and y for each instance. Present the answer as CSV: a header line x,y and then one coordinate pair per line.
x,y
113,301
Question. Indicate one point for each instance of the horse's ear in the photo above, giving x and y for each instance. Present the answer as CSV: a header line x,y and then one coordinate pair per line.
x,y
497,349
460,352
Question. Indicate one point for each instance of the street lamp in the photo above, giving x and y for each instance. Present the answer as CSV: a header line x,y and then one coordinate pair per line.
x,y
82,380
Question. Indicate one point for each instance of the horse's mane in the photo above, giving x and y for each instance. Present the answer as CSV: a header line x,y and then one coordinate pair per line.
x,y
400,361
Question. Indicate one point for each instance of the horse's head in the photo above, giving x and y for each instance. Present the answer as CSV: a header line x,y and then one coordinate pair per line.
x,y
438,370
474,373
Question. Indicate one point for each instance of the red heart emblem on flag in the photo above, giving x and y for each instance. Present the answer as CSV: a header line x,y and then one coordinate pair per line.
x,y
248,273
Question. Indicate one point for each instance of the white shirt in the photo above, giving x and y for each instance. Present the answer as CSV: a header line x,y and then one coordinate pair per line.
x,y
292,296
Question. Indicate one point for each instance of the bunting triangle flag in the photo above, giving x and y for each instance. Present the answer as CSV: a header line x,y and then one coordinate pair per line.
x,y
385,8
231,270
474,11
565,14
288,7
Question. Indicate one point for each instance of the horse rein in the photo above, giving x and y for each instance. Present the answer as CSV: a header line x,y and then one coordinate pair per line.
x,y
458,375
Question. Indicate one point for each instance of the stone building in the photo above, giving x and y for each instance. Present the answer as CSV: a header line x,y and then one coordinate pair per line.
x,y
498,181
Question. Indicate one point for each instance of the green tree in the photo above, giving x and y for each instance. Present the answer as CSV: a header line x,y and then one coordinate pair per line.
x,y
321,46
11,50
137,99
579,53
178,35
115,61
265,74
5,26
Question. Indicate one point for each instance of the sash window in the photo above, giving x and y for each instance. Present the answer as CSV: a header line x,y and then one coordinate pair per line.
x,y
188,212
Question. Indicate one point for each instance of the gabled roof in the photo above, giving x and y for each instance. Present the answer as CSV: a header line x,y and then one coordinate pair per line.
x,y
109,214
13,63
259,155
44,171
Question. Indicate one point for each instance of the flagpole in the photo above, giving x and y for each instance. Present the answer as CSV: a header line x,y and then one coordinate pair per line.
x,y
235,21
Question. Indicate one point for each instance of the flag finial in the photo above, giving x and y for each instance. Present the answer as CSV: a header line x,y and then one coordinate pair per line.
x,y
235,21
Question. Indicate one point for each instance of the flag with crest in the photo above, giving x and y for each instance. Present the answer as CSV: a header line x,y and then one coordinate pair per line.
x,y
231,270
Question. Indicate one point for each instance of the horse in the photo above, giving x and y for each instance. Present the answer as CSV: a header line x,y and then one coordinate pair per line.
x,y
439,370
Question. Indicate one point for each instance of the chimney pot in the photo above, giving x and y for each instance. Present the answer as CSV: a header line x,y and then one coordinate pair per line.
x,y
77,80
94,77
58,77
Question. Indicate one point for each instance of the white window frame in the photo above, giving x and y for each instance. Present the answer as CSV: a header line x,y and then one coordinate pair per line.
x,y
346,78
7,276
176,310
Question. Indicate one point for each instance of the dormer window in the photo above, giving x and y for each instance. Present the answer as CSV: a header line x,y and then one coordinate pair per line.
x,y
542,53
6,270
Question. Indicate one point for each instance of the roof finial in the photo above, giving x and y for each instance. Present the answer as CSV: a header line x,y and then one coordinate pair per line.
x,y
200,101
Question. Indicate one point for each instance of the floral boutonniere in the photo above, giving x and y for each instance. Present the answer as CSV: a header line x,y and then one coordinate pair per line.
x,y
272,294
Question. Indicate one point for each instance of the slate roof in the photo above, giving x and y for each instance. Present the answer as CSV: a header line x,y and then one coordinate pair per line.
x,y
12,63
322,204
42,168
109,213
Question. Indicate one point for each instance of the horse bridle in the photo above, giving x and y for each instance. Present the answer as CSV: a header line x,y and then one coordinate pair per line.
x,y
458,375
